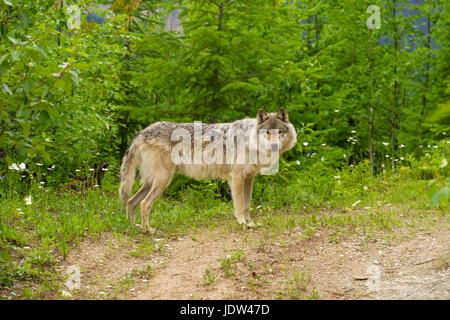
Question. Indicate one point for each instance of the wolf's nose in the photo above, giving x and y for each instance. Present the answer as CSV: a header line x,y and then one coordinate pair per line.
x,y
274,147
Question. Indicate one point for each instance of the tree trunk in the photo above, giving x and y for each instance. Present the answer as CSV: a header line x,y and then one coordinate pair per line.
x,y
396,85
316,18
427,73
371,106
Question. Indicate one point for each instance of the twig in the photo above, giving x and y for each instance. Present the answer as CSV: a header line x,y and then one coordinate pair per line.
x,y
419,263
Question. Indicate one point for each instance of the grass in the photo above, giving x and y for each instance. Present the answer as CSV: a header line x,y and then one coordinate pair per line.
x,y
296,287
35,237
208,277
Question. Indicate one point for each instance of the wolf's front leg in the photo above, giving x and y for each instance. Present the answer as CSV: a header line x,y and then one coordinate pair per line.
x,y
237,192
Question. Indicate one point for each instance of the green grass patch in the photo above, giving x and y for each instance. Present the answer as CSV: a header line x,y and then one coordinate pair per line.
x,y
40,226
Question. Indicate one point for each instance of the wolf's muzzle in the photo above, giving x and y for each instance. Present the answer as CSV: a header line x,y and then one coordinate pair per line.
x,y
274,147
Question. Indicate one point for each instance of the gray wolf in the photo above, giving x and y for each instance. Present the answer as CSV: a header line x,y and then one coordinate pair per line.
x,y
236,151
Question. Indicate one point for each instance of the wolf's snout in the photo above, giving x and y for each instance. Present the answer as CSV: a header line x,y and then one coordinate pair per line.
x,y
274,147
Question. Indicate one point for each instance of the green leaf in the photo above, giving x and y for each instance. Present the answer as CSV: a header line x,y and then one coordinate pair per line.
x,y
21,151
45,155
4,57
3,29
44,92
5,88
23,17
44,116
61,83
13,40
74,77
444,163
27,86
26,126
15,55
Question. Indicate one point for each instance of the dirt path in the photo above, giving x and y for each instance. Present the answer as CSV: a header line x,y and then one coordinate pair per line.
x,y
253,265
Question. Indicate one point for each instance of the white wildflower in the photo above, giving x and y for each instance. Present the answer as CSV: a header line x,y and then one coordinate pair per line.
x,y
14,167
297,162
305,143
63,65
28,200
353,205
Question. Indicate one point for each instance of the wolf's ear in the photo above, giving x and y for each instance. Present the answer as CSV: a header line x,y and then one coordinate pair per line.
x,y
262,116
282,115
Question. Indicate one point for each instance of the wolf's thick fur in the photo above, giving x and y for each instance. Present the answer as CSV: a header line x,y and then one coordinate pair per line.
x,y
152,148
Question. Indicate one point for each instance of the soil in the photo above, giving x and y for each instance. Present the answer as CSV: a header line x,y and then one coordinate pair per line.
x,y
255,265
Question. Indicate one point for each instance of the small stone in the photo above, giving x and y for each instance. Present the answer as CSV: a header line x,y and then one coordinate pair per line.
x,y
66,294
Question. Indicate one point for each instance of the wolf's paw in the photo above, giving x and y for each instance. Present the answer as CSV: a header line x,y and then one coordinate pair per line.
x,y
147,229
251,224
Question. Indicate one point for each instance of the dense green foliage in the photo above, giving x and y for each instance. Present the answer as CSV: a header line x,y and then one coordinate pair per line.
x,y
74,97
371,108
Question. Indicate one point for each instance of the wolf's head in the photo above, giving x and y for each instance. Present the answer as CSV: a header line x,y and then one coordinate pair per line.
x,y
276,128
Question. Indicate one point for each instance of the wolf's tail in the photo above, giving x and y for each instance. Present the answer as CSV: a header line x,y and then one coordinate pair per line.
x,y
128,172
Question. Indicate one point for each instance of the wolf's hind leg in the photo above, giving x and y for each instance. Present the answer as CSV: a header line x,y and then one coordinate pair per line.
x,y
136,199
248,186
160,183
